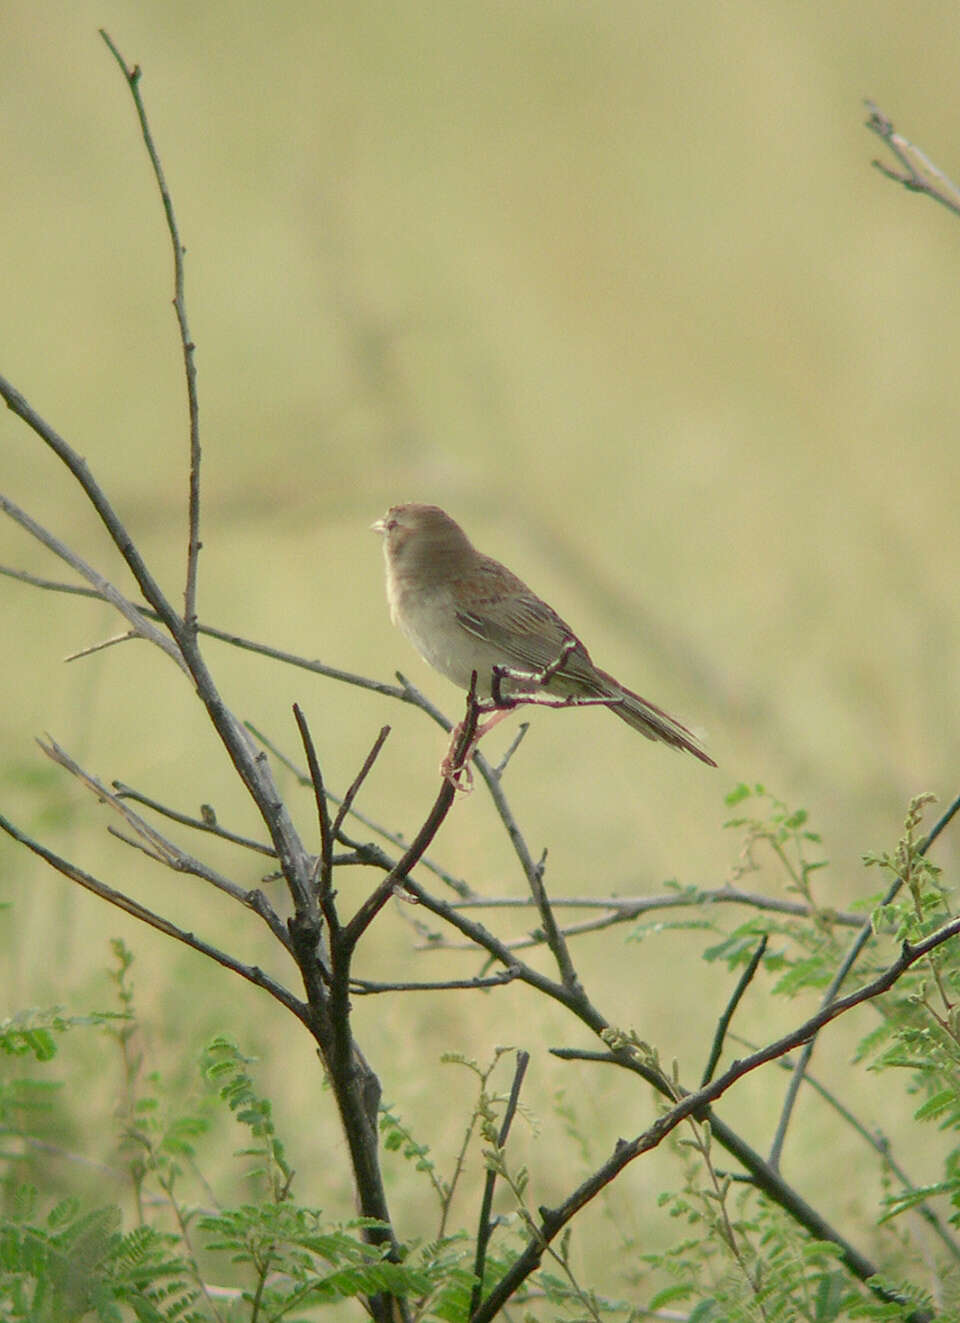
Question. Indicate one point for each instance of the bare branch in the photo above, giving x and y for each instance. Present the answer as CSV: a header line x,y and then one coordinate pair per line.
x,y
746,978
499,980
208,823
320,798
253,771
514,745
346,804
484,1226
252,973
94,493
398,875
625,908
104,589
366,853
917,172
132,78
56,586
552,934
160,848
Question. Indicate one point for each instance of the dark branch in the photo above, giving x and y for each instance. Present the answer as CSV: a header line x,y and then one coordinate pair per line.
x,y
368,986
325,881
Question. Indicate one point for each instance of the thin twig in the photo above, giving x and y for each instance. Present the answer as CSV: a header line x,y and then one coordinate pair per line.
x,y
103,588
132,78
160,848
836,983
399,874
252,973
320,797
918,172
942,822
626,908
395,838
82,653
207,823
746,978
499,980
108,516
514,745
484,1225
346,804
552,934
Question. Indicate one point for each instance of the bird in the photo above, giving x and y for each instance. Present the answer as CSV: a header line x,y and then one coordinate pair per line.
x,y
464,612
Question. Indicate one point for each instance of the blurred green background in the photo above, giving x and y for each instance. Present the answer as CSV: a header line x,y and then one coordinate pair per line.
x,y
616,285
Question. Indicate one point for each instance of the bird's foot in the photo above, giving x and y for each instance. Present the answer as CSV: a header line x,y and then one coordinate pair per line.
x,y
457,771
461,778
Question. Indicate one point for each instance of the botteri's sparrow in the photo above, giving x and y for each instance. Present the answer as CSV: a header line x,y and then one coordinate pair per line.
x,y
465,612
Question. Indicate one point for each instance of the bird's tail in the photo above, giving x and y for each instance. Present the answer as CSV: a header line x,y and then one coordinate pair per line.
x,y
652,721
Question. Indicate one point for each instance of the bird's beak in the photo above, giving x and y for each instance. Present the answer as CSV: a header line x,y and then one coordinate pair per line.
x,y
378,526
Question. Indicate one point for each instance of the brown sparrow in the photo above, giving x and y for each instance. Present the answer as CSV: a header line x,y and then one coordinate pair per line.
x,y
465,612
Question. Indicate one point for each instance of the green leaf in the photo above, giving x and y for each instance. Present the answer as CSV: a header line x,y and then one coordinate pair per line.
x,y
935,1106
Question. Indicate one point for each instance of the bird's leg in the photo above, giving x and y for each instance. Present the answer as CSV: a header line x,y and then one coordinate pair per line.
x,y
460,777
500,705
536,678
497,677
541,677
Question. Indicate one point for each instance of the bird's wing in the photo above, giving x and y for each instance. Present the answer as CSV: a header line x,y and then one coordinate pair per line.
x,y
502,611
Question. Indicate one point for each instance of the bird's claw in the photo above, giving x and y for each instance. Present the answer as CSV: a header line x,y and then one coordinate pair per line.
x,y
460,778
